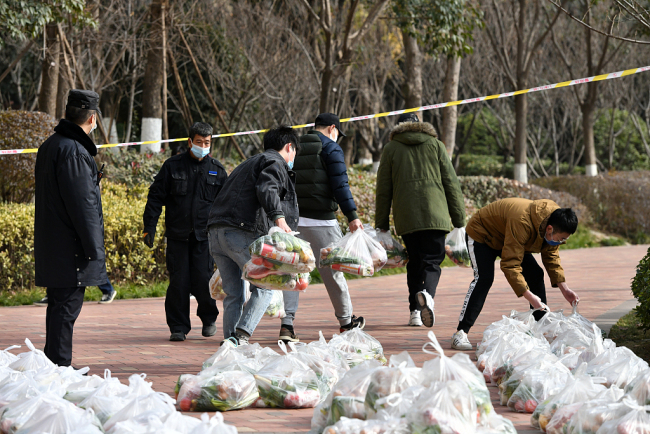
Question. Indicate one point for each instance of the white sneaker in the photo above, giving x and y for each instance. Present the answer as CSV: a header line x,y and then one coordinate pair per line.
x,y
425,302
415,320
459,341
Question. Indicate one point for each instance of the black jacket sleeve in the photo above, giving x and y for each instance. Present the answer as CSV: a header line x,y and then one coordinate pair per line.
x,y
156,199
77,186
269,187
337,173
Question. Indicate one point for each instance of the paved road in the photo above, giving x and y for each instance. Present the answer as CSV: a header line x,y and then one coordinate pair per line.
x,y
131,336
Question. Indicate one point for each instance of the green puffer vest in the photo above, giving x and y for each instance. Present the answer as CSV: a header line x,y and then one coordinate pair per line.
x,y
315,197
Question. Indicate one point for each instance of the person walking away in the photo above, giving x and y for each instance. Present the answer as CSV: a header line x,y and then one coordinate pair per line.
x,y
186,186
108,295
68,222
513,229
416,178
322,187
260,193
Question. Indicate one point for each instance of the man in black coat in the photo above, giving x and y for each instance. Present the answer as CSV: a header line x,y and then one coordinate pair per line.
x,y
186,186
260,193
68,224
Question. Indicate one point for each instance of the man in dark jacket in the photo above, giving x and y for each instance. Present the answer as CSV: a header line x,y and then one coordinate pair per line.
x,y
186,186
68,223
322,187
417,179
260,193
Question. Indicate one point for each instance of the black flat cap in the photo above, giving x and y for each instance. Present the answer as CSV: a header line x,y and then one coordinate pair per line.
x,y
328,119
408,117
84,99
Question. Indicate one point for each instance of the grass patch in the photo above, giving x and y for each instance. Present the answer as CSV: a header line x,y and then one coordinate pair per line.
x,y
586,237
627,332
129,291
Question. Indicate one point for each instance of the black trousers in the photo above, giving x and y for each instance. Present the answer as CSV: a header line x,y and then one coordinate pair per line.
x,y
190,268
483,258
63,308
426,250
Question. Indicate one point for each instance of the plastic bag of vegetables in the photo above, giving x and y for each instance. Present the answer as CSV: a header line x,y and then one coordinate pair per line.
x,y
639,388
456,248
356,426
276,306
458,367
262,277
444,408
399,376
637,421
395,252
216,286
287,382
347,397
229,390
281,251
358,346
355,253
579,389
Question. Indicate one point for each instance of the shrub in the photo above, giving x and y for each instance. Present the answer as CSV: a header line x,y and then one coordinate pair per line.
x,y
480,165
618,202
21,130
641,290
127,258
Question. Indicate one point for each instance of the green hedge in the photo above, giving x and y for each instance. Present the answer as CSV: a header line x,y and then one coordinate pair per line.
x,y
619,202
641,290
127,258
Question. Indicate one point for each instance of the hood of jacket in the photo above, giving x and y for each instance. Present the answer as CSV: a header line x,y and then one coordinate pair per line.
x,y
75,132
410,132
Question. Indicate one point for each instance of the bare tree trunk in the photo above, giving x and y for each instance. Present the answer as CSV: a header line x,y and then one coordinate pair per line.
x,y
521,148
62,92
413,72
165,130
153,81
326,90
450,114
50,72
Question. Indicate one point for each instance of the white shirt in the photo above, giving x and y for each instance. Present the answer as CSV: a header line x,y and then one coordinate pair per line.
x,y
304,221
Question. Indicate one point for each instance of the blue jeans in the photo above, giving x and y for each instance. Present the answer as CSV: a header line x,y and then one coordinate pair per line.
x,y
106,288
229,249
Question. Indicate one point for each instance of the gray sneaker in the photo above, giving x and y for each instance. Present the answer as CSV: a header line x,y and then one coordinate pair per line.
x,y
108,298
242,337
425,302
42,302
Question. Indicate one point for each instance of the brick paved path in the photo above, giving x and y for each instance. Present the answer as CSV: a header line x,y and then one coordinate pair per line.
x,y
131,336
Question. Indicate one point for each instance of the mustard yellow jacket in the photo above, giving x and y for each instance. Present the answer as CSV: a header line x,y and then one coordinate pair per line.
x,y
515,227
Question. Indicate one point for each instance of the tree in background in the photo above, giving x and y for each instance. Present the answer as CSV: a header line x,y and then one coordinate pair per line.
x,y
440,27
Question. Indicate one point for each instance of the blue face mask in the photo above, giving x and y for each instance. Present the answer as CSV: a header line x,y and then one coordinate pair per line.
x,y
290,164
199,151
552,242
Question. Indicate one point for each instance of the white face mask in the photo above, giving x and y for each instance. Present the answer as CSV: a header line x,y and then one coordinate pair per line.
x,y
94,126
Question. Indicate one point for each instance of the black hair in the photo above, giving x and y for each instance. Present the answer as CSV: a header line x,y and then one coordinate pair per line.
x,y
277,138
408,117
201,129
564,220
78,115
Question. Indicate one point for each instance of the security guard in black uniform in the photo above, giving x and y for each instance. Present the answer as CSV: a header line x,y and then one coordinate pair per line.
x,y
186,186
69,223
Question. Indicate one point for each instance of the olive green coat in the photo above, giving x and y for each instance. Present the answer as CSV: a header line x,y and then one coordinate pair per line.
x,y
417,179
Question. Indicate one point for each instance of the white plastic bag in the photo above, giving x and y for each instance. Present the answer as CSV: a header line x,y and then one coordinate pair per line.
x,y
395,252
159,403
358,346
456,248
282,252
214,425
32,360
276,306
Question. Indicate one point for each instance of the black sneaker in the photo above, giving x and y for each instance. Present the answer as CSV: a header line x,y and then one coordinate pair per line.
x,y
177,337
108,298
209,330
288,335
242,337
354,323
42,302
